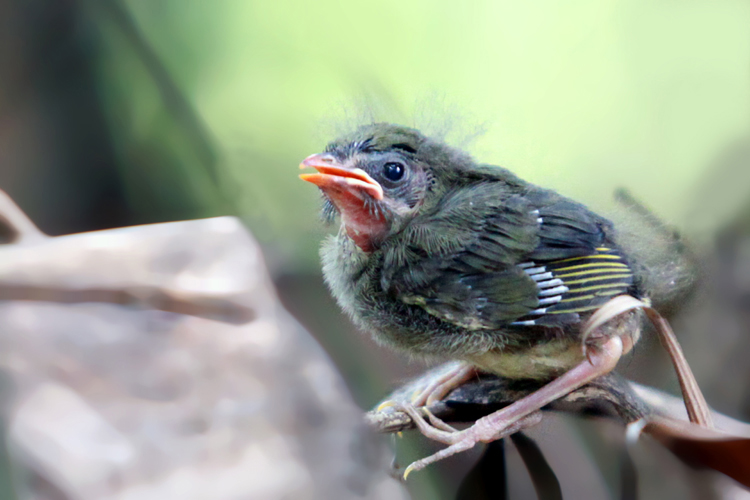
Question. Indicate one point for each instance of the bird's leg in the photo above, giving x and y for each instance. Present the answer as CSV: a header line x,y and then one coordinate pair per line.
x,y
437,389
600,361
444,384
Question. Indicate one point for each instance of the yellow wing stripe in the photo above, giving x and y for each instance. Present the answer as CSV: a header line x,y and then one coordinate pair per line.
x,y
591,279
597,287
585,308
597,278
575,299
591,296
587,266
587,257
603,272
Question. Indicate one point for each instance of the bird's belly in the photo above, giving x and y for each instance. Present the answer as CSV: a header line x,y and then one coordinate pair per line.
x,y
541,361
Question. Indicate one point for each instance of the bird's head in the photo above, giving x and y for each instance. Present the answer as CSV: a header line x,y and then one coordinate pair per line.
x,y
380,176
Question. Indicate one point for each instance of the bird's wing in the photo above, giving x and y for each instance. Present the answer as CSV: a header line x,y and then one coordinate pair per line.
x,y
490,259
576,265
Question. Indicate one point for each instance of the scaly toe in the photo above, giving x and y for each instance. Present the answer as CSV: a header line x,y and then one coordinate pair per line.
x,y
438,423
427,430
467,439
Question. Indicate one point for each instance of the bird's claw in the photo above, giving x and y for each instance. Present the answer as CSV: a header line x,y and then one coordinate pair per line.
x,y
458,441
389,403
444,453
437,430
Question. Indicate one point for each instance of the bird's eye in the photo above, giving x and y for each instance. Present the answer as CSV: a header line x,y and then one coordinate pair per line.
x,y
393,171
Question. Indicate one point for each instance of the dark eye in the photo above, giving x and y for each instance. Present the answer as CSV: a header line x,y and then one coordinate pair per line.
x,y
393,171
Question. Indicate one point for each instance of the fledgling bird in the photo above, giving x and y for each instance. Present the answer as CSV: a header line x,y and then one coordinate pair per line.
x,y
440,256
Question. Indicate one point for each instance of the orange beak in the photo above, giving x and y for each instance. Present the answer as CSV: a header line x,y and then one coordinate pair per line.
x,y
334,177
350,189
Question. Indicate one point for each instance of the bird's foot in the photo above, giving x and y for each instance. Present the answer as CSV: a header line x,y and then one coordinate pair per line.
x,y
519,415
439,388
484,430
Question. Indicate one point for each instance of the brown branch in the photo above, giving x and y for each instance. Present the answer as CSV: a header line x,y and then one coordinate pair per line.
x,y
609,396
725,448
158,267
145,297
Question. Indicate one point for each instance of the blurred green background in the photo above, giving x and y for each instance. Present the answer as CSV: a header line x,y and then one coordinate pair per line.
x,y
581,97
123,112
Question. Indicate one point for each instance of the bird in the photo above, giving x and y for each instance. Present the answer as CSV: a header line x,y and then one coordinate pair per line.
x,y
442,257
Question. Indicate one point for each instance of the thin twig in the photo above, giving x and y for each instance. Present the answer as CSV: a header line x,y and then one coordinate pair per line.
x,y
626,198
20,226
173,98
695,403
